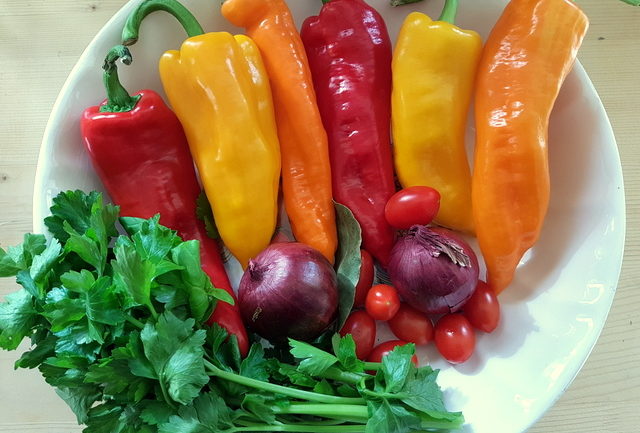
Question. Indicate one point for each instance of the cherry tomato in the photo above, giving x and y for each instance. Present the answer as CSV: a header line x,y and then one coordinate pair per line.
x,y
411,325
362,328
366,279
482,309
411,206
383,349
382,302
455,338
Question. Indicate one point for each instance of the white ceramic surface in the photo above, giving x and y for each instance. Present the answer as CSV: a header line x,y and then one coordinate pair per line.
x,y
558,303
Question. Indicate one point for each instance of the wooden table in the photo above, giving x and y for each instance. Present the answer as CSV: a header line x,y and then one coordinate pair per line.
x,y
40,41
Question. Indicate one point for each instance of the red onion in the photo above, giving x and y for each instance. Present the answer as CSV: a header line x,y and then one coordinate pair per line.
x,y
288,290
433,270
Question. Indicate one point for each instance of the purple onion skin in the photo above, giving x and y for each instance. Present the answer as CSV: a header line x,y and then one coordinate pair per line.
x,y
433,269
288,290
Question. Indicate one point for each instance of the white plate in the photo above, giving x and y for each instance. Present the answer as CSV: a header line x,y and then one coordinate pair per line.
x,y
558,304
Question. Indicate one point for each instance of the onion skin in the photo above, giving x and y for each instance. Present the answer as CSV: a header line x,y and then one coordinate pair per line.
x,y
289,290
433,269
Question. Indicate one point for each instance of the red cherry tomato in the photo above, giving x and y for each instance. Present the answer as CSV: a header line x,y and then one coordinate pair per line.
x,y
411,206
366,279
383,349
482,309
362,328
411,325
382,302
455,338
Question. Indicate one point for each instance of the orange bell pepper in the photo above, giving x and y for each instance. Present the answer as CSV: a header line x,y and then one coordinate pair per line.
x,y
526,58
306,173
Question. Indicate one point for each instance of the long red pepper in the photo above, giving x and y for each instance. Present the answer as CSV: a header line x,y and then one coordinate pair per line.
x,y
139,151
349,53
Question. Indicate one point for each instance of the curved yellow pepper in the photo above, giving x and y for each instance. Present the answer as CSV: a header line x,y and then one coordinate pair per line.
x,y
434,67
220,91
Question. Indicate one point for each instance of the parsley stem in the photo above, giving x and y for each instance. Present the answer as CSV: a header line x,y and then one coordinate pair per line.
x,y
338,375
154,313
432,424
135,322
279,389
165,394
304,428
325,410
375,366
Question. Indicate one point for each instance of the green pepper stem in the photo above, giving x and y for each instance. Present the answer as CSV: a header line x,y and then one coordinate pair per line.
x,y
449,11
118,99
131,29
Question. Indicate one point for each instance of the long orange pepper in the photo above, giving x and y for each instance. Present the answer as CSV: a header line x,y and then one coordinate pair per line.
x,y
526,58
306,173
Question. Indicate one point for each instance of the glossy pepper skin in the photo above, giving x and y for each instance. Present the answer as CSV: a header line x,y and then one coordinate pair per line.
x,y
349,53
434,68
526,58
141,155
306,172
219,90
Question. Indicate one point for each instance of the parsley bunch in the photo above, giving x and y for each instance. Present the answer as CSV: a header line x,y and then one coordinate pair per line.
x,y
116,325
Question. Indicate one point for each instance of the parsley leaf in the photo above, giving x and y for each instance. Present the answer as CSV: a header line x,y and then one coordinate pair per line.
x,y
205,214
156,412
259,406
390,418
346,353
77,340
75,208
223,348
20,257
396,367
134,352
324,387
208,414
79,400
17,317
152,240
98,296
86,247
196,282
254,365
105,418
176,353
61,310
293,375
314,361
43,349
133,275
423,394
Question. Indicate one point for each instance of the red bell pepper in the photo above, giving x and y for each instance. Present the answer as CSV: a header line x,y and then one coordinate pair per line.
x,y
349,53
139,150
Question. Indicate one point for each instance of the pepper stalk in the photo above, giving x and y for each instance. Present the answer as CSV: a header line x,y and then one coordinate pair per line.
x,y
118,98
449,11
131,30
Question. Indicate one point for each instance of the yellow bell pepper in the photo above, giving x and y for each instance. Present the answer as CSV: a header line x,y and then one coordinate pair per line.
x,y
218,88
434,66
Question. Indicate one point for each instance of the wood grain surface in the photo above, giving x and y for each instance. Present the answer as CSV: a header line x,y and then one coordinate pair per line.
x,y
41,40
